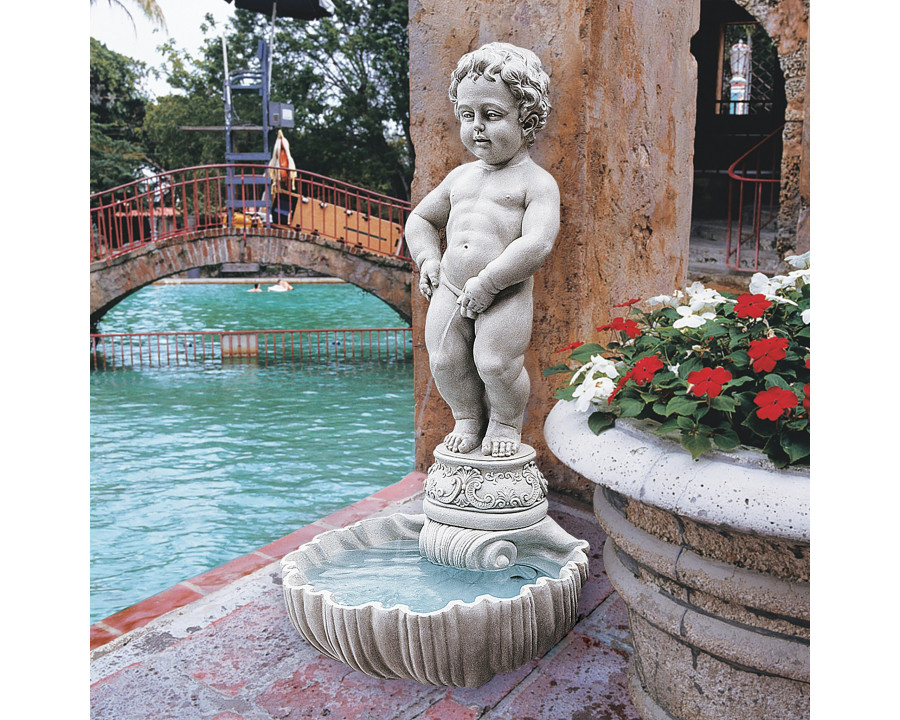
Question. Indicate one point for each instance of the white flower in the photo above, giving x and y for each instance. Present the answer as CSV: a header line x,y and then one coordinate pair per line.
x,y
597,364
690,319
597,384
703,299
673,368
591,391
667,300
796,278
761,284
772,287
805,316
705,295
798,261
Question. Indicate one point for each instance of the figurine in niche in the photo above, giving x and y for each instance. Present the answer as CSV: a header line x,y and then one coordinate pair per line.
x,y
501,215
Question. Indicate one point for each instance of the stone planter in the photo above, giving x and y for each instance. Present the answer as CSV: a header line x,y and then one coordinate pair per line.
x,y
712,560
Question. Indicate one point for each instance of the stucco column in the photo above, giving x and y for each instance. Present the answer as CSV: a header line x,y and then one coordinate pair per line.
x,y
619,143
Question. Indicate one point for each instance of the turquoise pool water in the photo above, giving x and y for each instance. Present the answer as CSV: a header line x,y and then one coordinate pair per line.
x,y
194,466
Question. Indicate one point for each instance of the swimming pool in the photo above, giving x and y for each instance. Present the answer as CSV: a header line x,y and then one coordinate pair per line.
x,y
194,466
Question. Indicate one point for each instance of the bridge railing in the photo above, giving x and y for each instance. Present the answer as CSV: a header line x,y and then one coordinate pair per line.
x,y
165,349
244,197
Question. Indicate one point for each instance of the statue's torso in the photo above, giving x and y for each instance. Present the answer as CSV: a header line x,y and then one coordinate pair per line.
x,y
486,210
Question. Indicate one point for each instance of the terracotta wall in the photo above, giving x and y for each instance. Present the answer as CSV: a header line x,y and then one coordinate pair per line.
x,y
787,23
619,143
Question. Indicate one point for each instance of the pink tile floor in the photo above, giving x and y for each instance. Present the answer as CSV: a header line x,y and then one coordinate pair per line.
x,y
231,653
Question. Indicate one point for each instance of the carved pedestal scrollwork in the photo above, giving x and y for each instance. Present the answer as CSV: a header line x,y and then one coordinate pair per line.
x,y
477,492
477,482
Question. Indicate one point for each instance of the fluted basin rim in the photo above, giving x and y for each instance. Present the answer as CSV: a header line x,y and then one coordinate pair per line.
x,y
460,644
400,526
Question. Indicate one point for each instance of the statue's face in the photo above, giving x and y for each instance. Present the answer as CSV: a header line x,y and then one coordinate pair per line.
x,y
489,120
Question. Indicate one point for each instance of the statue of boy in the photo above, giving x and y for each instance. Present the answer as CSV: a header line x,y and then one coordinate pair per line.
x,y
501,214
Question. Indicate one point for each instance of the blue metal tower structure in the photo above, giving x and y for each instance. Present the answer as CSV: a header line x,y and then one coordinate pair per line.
x,y
243,187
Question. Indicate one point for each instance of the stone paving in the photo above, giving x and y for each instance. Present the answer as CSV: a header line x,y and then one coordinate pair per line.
x,y
232,654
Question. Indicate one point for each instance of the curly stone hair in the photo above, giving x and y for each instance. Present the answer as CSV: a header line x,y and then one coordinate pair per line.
x,y
521,70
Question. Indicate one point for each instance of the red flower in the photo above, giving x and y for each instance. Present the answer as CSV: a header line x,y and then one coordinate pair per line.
x,y
622,325
774,402
766,352
806,398
570,346
619,386
752,306
628,303
708,381
642,372
645,368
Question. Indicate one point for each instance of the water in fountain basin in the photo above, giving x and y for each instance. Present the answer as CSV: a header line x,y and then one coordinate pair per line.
x,y
394,573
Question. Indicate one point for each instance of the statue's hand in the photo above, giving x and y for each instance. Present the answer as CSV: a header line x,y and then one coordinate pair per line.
x,y
429,277
476,297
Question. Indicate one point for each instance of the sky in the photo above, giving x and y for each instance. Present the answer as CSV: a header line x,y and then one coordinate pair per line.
x,y
111,26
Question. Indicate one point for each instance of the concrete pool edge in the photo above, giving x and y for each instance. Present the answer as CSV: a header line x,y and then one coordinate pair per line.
x,y
188,591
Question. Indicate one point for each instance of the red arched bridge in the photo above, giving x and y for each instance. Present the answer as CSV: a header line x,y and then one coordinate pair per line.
x,y
246,214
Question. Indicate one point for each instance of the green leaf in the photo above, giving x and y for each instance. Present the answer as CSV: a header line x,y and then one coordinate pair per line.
x,y
773,380
763,428
681,406
776,453
739,358
696,445
795,444
714,329
688,366
670,425
723,403
738,381
600,421
566,392
555,370
583,353
726,438
631,407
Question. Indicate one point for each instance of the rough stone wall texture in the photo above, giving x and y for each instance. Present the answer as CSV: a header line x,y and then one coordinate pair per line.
x,y
803,218
619,143
787,23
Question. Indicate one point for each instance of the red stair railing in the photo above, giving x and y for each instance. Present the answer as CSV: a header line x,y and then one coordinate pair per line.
x,y
754,181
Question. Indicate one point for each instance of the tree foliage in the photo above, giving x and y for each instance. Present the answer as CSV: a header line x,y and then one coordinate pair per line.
x,y
346,76
118,101
149,9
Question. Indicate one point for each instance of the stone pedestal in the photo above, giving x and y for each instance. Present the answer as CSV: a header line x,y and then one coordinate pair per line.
x,y
482,512
485,493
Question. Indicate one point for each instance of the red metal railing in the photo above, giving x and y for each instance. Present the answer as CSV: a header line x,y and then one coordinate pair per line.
x,y
164,349
754,181
243,197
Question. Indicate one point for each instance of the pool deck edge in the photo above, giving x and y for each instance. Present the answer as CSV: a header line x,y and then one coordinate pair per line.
x,y
188,591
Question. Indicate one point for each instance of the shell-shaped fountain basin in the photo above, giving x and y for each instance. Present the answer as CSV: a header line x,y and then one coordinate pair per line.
x,y
464,642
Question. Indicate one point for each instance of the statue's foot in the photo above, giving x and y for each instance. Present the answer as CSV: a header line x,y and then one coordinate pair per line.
x,y
465,436
501,440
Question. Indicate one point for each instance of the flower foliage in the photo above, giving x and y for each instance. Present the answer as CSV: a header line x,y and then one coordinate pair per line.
x,y
717,369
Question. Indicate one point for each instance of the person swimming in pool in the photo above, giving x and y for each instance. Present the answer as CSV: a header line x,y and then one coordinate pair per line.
x,y
501,215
